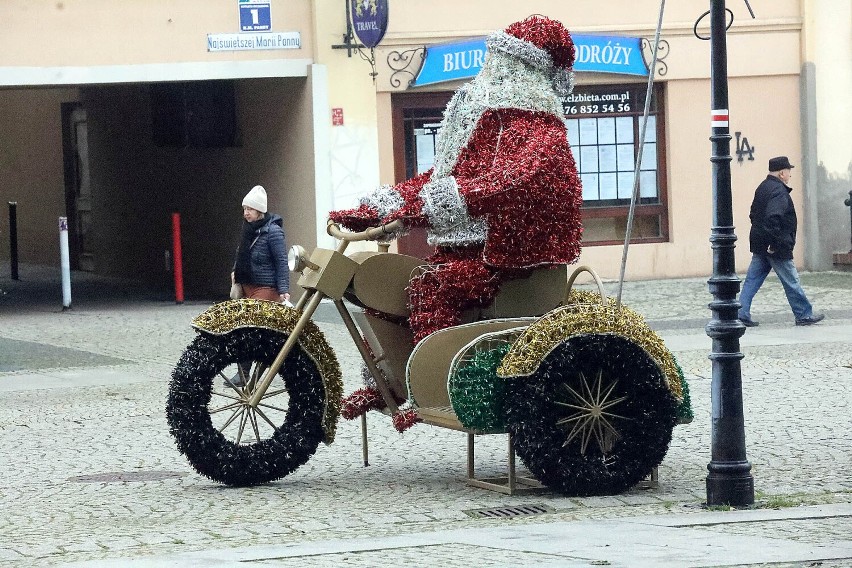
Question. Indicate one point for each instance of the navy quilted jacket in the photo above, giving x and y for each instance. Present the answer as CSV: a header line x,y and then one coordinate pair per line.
x,y
269,256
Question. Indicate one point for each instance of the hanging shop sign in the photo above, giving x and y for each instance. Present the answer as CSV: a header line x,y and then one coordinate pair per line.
x,y
594,54
369,20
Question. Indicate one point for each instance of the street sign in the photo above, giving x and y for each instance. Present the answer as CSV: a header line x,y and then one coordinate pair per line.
x,y
255,16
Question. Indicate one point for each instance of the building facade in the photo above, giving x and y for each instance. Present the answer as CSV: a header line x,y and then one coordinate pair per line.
x,y
117,115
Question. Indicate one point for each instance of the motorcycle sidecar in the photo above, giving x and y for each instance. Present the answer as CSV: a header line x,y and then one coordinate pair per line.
x,y
588,393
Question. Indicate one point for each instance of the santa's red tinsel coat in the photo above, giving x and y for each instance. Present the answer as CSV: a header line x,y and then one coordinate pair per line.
x,y
518,173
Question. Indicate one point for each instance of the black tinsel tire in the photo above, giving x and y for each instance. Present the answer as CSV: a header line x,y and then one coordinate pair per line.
x,y
214,454
623,455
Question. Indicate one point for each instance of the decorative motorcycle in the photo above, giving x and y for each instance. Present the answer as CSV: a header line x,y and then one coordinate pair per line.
x,y
587,392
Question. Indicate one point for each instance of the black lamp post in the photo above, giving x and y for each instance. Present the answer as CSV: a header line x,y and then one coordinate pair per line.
x,y
729,481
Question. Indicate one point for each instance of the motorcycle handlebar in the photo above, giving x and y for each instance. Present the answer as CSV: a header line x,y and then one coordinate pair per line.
x,y
335,231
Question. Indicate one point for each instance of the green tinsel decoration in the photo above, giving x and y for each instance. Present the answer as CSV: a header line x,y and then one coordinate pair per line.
x,y
685,415
477,394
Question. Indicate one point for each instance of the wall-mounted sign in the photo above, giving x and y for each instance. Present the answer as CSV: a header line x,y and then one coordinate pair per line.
x,y
598,54
451,61
337,116
242,42
369,20
255,16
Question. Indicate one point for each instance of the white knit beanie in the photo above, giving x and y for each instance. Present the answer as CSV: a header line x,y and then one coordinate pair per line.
x,y
256,199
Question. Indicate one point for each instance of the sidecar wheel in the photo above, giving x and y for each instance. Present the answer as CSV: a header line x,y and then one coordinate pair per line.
x,y
222,436
595,418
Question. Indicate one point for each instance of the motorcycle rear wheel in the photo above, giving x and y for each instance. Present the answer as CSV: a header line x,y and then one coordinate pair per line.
x,y
595,418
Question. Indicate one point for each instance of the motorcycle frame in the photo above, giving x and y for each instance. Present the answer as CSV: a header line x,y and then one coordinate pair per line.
x,y
330,278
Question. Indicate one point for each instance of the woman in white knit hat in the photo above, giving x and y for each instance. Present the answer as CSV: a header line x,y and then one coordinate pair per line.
x,y
261,263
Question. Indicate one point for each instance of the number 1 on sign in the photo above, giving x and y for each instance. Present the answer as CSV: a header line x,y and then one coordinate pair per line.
x,y
255,19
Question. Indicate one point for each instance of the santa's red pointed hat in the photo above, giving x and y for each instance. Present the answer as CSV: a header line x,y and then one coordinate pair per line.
x,y
541,42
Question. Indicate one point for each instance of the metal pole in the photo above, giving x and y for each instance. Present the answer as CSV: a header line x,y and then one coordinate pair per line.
x,y
177,256
13,238
729,481
848,202
65,263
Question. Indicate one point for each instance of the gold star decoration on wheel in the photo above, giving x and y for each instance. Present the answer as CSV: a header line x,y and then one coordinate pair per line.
x,y
592,413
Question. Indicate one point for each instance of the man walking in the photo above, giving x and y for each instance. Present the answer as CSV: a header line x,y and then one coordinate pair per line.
x,y
771,241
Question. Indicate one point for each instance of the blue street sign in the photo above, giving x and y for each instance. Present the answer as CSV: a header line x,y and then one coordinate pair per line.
x,y
255,16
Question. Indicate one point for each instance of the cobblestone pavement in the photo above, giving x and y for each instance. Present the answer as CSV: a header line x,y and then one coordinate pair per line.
x,y
90,471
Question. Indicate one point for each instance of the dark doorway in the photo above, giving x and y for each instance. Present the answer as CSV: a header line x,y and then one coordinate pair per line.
x,y
78,188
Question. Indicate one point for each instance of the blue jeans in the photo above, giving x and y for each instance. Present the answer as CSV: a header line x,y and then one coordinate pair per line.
x,y
786,272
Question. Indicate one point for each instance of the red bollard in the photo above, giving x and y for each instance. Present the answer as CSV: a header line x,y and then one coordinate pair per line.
x,y
177,255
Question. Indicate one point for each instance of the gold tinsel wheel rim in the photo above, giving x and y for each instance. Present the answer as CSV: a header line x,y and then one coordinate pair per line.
x,y
586,312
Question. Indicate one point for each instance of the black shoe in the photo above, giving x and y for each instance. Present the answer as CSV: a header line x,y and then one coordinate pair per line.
x,y
815,318
749,323
236,381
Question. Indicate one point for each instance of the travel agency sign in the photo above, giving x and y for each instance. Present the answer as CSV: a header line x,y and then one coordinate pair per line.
x,y
369,20
594,53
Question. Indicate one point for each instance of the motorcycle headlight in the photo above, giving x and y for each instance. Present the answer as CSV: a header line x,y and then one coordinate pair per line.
x,y
296,258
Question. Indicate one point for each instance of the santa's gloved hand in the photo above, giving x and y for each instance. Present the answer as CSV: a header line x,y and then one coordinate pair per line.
x,y
356,220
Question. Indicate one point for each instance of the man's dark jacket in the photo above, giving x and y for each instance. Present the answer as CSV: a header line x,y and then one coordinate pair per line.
x,y
773,219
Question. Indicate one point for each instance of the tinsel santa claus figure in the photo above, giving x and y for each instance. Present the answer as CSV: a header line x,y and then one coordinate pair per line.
x,y
503,196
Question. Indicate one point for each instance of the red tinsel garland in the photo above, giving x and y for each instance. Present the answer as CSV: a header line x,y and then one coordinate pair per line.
x,y
517,171
411,212
405,419
361,401
358,219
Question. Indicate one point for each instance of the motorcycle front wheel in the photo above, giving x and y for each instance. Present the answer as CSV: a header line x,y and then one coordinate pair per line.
x,y
224,437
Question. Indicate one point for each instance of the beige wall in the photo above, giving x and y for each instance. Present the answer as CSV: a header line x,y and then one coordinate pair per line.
x,y
453,19
764,65
310,166
105,32
31,170
354,145
827,113
113,51
688,252
828,44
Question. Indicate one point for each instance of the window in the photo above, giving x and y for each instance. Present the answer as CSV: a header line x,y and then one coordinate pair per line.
x,y
604,127
193,114
416,122
421,131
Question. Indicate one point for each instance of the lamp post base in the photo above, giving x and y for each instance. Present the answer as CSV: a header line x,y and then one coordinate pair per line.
x,y
731,488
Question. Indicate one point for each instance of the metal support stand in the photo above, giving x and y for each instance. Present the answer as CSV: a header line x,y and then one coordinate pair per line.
x,y
365,452
729,481
512,484
848,203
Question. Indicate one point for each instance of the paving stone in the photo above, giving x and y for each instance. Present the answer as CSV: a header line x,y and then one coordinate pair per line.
x,y
798,428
